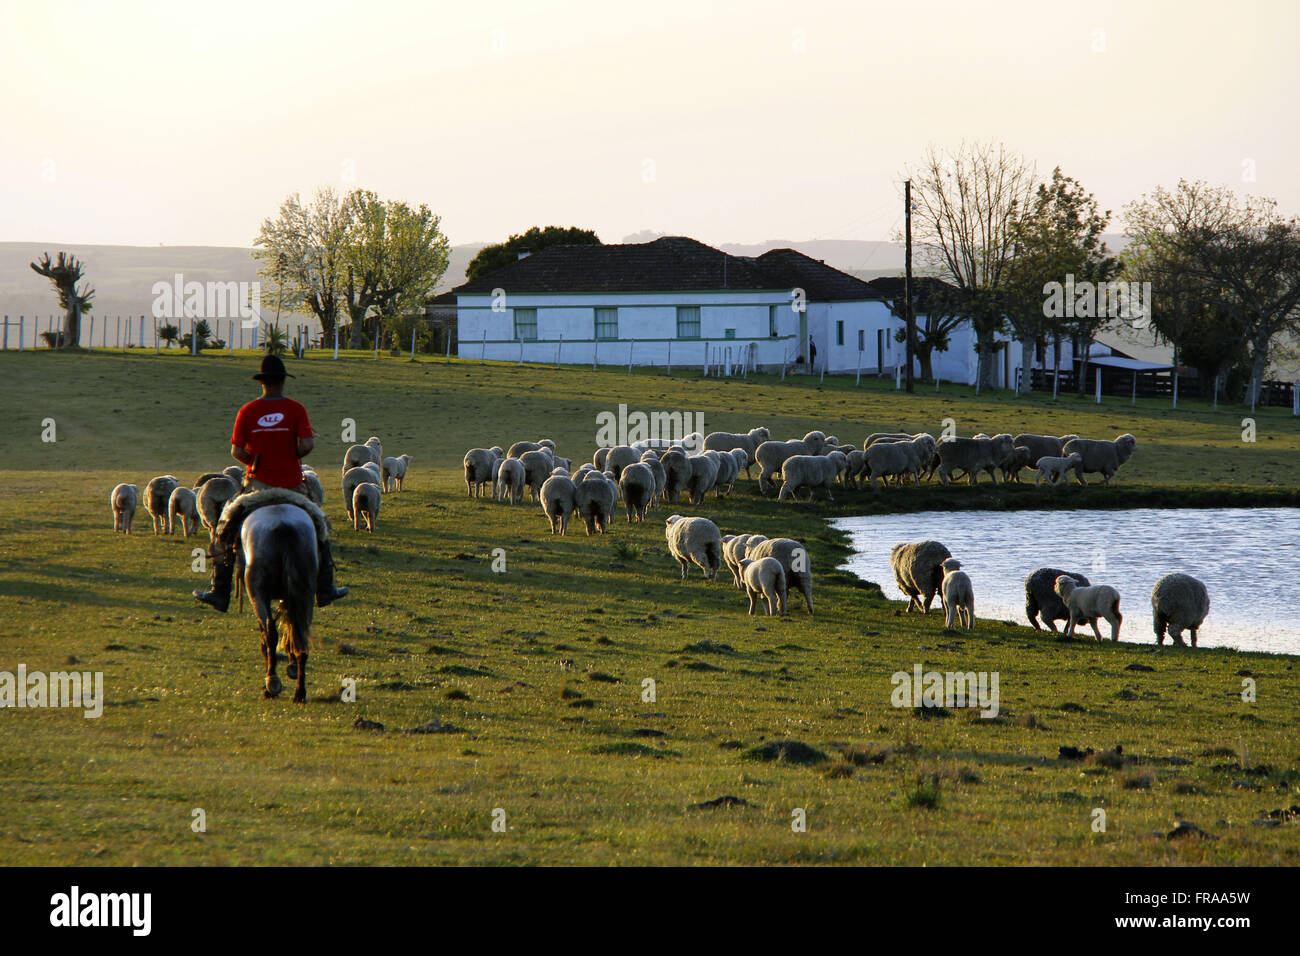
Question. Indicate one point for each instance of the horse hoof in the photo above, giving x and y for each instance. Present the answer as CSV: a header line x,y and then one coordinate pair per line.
x,y
292,670
273,688
300,697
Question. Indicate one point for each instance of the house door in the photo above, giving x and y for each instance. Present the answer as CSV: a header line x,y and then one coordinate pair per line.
x,y
803,336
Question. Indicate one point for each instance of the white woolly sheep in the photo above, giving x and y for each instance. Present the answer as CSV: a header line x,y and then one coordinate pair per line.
x,y
1088,604
1042,446
183,504
354,477
651,460
794,559
1042,600
376,448
1178,601
1053,470
478,470
772,455
395,471
1104,457
356,456
677,474
157,498
235,474
558,497
510,481
764,579
885,436
637,485
213,497
537,468
1017,463
594,502
918,570
124,499
734,549
620,456
598,459
811,472
697,541
315,490
365,504
743,460
727,472
704,473
893,459
729,441
958,596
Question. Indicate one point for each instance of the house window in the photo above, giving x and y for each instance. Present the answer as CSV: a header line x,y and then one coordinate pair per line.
x,y
688,321
862,338
839,332
728,333
525,324
607,323
771,319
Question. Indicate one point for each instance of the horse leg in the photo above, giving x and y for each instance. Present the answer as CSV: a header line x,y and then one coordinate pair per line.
x,y
300,692
270,641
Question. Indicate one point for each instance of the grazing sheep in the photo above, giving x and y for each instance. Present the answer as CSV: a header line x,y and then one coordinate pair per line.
x,y
1088,604
764,578
594,502
315,490
354,477
918,570
772,455
510,481
1100,456
395,471
726,473
518,448
376,449
559,498
729,441
704,473
204,478
694,540
123,500
478,470
619,457
598,459
811,472
958,596
235,474
733,552
637,484
794,559
157,498
857,468
894,459
183,504
1178,601
537,468
651,460
677,474
971,455
1042,600
356,456
743,460
365,503
1042,446
1054,469
213,497
885,436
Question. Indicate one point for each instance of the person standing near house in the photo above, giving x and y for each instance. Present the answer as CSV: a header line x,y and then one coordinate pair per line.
x,y
812,355
272,435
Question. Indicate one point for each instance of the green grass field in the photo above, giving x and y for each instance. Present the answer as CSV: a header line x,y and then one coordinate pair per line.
x,y
585,771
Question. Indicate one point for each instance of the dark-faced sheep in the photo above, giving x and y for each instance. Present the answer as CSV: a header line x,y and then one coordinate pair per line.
x,y
1041,599
918,570
1178,602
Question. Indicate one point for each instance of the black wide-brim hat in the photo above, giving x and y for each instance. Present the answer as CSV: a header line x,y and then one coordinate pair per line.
x,y
273,370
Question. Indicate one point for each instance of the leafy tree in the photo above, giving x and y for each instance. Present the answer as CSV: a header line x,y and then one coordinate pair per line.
x,y
302,252
493,257
169,333
275,340
65,272
938,311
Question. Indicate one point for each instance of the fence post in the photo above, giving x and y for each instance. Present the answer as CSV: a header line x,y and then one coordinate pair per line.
x,y
482,357
230,334
1056,381
670,357
898,377
630,346
448,337
1295,398
378,333
1254,394
142,331
336,341
1135,388
858,380
595,353
559,345
1175,388
521,351
21,323
1098,385
194,337
6,345
412,342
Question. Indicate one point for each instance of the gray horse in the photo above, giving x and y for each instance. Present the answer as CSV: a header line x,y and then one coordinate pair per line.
x,y
278,543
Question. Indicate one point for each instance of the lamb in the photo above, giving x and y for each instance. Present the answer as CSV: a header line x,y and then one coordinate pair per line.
x,y
734,548
811,472
356,456
704,473
743,460
354,477
677,473
1017,463
365,503
395,471
1042,600
697,541
1054,469
764,578
510,481
1100,456
1178,601
727,472
183,504
772,455
537,468
637,484
857,467
594,502
157,498
315,490
123,500
558,497
794,559
213,497
478,470
958,596
620,456
972,455
729,441
918,570
651,460
1088,604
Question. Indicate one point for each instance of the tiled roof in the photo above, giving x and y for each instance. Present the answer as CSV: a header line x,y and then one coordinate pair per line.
x,y
923,288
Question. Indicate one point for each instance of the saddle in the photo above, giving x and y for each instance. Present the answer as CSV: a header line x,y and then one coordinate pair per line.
x,y
226,534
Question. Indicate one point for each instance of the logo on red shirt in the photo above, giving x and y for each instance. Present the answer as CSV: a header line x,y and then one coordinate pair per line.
x,y
266,421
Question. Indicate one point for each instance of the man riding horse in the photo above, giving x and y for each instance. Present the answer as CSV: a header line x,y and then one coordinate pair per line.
x,y
272,435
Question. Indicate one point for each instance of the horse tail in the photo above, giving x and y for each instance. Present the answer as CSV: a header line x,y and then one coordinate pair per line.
x,y
294,613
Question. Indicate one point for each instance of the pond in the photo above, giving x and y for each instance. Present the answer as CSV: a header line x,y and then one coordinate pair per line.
x,y
1244,556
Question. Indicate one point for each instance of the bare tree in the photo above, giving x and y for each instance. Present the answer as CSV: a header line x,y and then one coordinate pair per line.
x,y
965,204
65,272
302,252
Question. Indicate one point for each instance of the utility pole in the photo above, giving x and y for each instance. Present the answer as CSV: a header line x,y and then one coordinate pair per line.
x,y
909,316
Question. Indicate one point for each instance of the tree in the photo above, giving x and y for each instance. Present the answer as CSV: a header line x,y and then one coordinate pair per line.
x,y
1241,256
493,257
938,311
302,255
65,272
169,333
965,204
275,340
1056,236
203,332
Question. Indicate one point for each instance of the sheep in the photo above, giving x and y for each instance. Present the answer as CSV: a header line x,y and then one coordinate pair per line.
x,y
123,500
1054,469
478,470
771,455
885,436
729,441
1178,601
765,578
857,467
365,503
811,472
537,468
354,477
205,478
637,484
558,498
356,456
734,548
183,504
743,460
235,474
565,463
1042,600
893,459
395,471
213,497
375,470
677,473
958,596
510,481
794,559
315,490
518,448
651,460
1100,456
376,449
157,497
918,570
598,459
727,471
704,474
1018,462
594,502
972,455
694,540
620,456
1088,604
1042,446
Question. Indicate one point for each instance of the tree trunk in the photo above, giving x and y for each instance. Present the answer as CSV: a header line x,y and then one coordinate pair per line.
x,y
1026,366
987,345
1083,367
925,356
358,314
72,326
1258,365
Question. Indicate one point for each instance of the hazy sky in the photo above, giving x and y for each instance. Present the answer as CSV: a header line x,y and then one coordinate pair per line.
x,y
187,123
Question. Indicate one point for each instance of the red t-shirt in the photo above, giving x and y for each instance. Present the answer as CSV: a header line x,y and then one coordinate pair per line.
x,y
269,429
